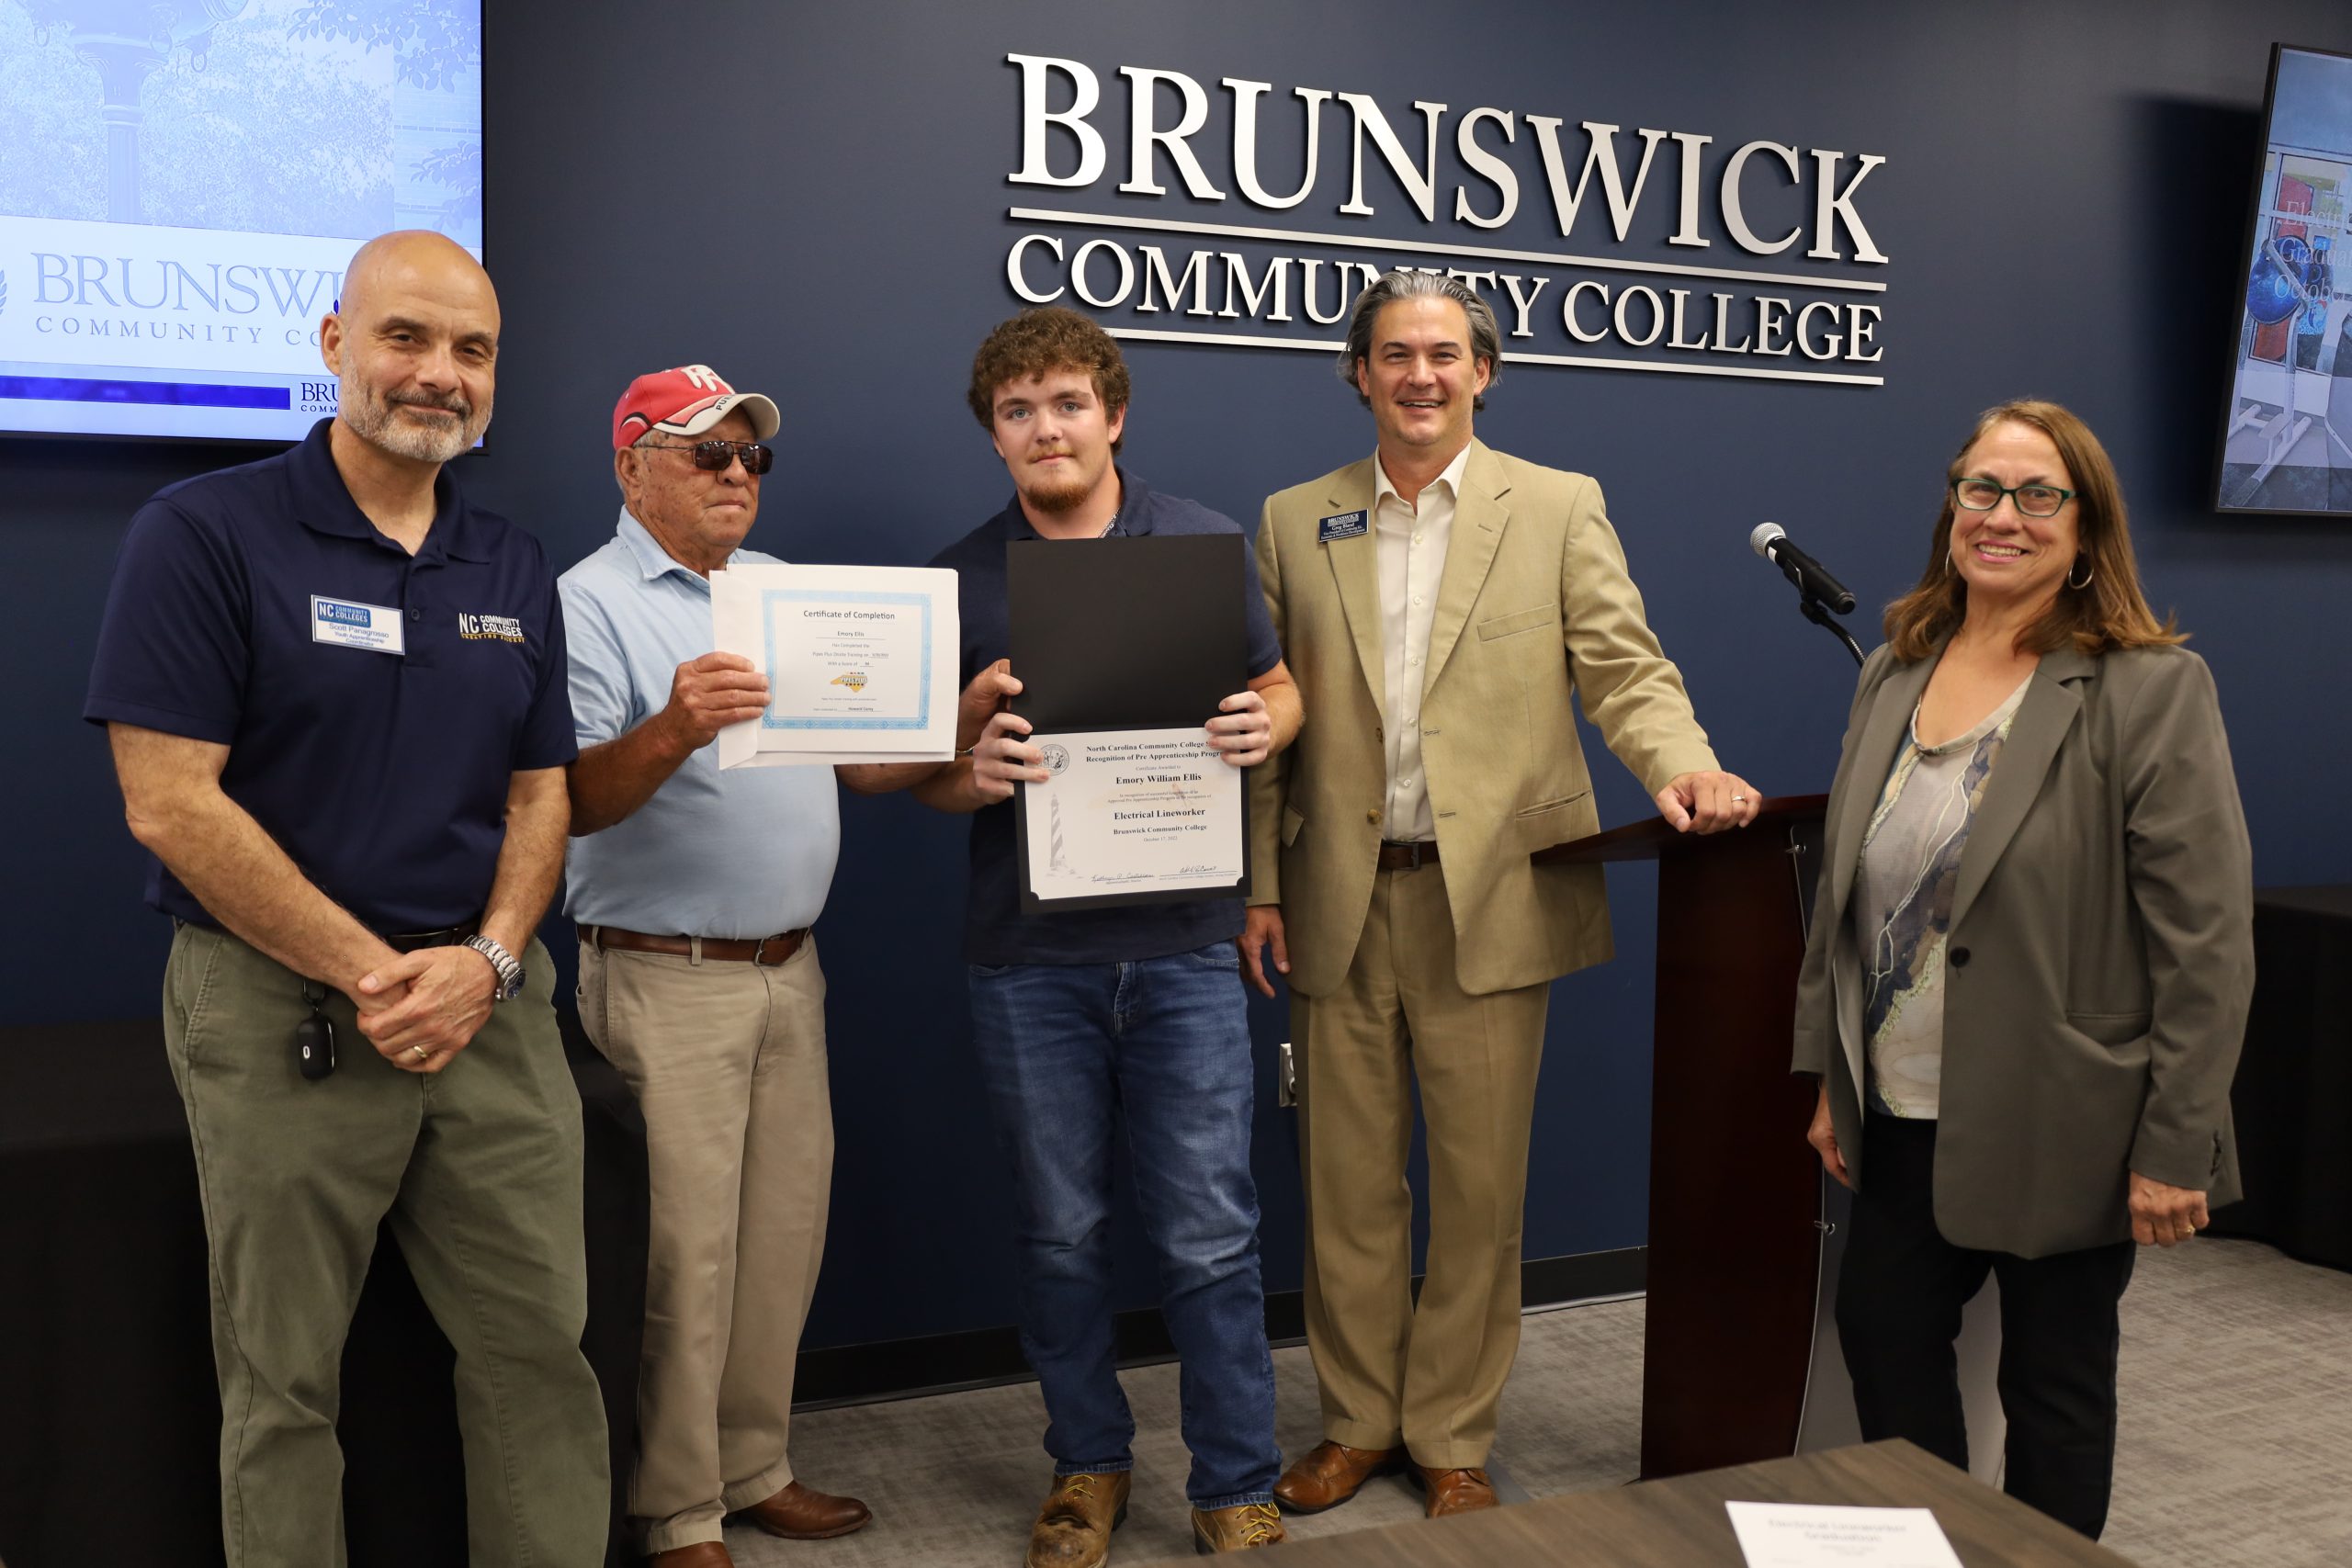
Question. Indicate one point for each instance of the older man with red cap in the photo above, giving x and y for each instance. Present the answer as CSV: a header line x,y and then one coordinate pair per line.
x,y
693,891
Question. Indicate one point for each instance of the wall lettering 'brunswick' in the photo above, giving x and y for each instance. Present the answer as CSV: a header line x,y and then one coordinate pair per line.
x,y
1681,311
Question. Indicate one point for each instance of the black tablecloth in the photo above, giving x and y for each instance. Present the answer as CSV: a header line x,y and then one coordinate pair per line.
x,y
110,1416
2293,1096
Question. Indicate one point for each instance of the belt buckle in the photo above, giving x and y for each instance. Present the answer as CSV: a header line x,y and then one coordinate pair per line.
x,y
760,950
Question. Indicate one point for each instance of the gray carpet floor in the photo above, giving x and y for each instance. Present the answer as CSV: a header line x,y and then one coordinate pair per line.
x,y
2235,1448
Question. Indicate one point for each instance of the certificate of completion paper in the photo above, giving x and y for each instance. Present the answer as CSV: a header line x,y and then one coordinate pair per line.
x,y
1131,816
860,662
1793,1535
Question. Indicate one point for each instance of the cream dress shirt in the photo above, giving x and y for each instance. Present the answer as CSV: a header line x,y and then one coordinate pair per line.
x,y
1410,540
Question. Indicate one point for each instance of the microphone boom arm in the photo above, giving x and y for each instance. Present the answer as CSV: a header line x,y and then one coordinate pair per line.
x,y
1818,614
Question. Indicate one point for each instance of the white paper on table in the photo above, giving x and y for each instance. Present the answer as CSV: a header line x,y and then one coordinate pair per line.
x,y
1131,811
1796,1535
861,662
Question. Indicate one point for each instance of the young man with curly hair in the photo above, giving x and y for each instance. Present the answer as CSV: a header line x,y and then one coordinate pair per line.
x,y
1128,1014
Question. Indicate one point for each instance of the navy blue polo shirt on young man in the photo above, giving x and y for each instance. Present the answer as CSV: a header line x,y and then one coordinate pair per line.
x,y
996,931
375,704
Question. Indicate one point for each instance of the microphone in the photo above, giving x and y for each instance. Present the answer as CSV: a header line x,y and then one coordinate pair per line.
x,y
1812,579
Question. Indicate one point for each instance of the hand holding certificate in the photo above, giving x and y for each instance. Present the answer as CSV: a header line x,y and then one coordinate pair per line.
x,y
860,662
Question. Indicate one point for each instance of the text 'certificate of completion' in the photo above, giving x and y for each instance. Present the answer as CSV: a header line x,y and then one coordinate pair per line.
x,y
1133,814
860,662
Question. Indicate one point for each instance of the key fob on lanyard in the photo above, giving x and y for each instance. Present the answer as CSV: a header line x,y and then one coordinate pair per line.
x,y
314,1036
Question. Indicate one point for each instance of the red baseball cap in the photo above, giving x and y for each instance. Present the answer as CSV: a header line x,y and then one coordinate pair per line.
x,y
686,401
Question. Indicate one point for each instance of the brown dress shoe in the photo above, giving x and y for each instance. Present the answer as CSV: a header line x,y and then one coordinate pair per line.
x,y
701,1554
1073,1529
1243,1527
1454,1490
1331,1473
797,1513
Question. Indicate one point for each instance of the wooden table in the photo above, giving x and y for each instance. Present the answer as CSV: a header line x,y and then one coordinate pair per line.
x,y
1681,1522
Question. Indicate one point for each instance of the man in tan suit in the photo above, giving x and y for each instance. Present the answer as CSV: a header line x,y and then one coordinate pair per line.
x,y
1438,602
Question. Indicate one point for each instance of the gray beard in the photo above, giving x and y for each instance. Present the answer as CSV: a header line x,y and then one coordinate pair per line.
x,y
376,421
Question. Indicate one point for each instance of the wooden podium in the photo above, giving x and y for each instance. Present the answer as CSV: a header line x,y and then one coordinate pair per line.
x,y
1735,1243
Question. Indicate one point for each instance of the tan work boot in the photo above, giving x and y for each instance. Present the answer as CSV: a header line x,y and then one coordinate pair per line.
x,y
1073,1529
1243,1527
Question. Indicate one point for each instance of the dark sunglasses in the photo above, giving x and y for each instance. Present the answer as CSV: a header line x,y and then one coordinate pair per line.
x,y
713,457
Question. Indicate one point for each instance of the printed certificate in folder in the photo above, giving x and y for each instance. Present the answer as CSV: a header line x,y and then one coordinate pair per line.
x,y
1124,648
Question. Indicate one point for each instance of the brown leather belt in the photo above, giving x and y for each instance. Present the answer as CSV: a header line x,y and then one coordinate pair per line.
x,y
1396,856
768,950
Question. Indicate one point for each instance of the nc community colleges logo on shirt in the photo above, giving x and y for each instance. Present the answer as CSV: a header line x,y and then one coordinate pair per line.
x,y
496,629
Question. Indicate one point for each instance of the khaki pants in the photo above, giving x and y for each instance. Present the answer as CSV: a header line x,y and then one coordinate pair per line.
x,y
727,1060
1431,1378
477,1170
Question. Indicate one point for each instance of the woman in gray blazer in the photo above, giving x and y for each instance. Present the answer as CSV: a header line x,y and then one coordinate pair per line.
x,y
2030,960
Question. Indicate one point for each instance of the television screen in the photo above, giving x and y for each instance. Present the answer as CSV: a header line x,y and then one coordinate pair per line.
x,y
2286,442
181,187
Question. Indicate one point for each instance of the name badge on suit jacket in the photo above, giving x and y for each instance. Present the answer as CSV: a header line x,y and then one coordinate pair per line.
x,y
1345,525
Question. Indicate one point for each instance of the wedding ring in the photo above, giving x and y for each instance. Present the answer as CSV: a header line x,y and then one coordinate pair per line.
x,y
422,1053
1738,799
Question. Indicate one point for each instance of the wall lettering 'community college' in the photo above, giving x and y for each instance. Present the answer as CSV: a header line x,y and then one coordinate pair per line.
x,y
1655,285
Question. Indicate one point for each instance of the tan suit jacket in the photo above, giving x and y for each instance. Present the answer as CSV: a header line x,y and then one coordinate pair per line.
x,y
2099,959
1534,605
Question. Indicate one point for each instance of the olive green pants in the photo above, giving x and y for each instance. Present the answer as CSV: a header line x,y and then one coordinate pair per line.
x,y
478,1167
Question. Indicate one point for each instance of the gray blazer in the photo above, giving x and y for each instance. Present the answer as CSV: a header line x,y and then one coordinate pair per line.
x,y
2100,957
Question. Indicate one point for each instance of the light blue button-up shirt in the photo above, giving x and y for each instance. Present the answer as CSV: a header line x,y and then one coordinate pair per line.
x,y
741,854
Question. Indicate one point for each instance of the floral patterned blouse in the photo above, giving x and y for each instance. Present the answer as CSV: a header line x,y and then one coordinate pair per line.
x,y
1910,863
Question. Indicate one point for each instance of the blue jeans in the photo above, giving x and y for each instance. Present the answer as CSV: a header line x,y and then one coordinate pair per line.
x,y
1164,1043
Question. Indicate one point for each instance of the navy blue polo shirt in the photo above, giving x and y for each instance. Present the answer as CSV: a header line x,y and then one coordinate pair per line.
x,y
996,931
258,608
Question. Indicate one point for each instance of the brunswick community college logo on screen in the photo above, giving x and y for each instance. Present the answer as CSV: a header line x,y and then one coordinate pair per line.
x,y
196,178
1598,245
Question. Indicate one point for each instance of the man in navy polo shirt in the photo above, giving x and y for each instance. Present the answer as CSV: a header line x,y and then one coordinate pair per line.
x,y
335,696
1135,1012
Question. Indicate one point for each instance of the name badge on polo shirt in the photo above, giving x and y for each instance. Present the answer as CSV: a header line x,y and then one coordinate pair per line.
x,y
345,623
1345,526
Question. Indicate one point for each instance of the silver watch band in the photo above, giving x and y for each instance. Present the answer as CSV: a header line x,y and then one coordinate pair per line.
x,y
510,969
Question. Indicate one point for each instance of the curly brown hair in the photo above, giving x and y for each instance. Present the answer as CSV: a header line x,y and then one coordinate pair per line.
x,y
2108,612
1049,337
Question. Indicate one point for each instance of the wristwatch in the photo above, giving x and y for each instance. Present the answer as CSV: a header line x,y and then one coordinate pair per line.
x,y
510,971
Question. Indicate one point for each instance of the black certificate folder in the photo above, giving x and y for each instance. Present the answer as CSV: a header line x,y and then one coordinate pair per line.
x,y
1148,633
1127,634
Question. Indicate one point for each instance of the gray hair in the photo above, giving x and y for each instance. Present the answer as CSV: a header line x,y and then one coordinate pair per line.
x,y
1405,283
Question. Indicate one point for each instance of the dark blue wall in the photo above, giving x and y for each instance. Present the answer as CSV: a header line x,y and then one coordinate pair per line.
x,y
813,199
